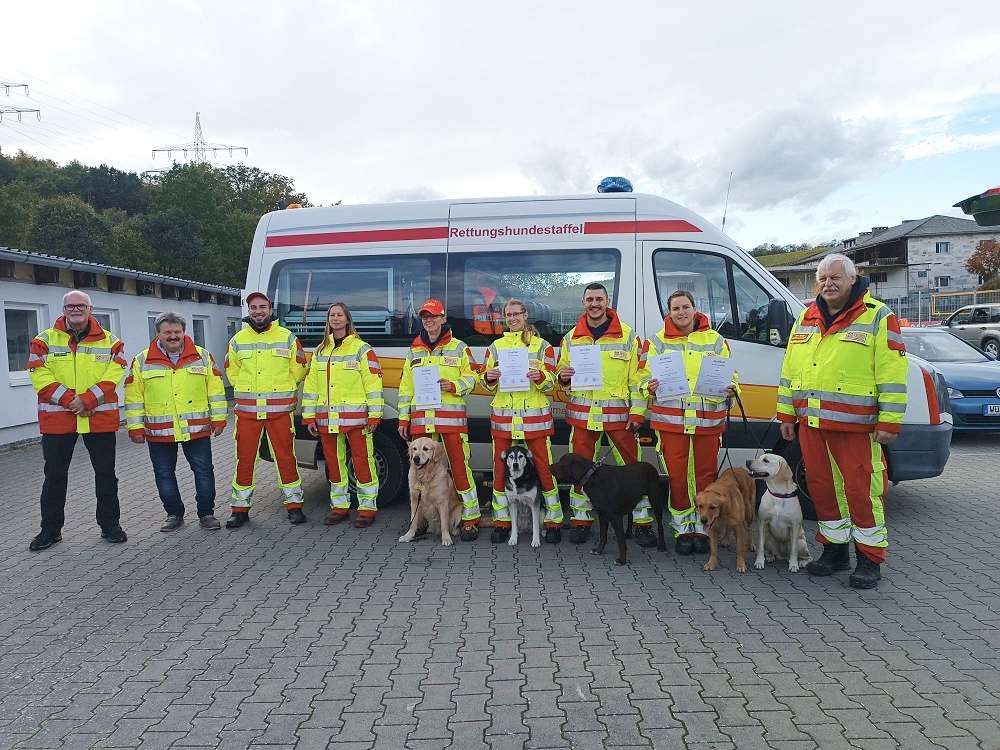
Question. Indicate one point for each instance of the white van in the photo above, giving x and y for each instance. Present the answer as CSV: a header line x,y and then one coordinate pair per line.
x,y
385,260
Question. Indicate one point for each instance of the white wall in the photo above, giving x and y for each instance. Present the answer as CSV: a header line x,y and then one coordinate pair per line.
x,y
129,321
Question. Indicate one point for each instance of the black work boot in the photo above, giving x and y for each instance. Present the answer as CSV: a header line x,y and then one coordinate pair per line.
x,y
700,545
835,557
500,534
295,515
553,536
644,535
866,575
237,519
684,545
579,534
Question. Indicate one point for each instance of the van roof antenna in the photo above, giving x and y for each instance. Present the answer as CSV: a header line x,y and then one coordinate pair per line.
x,y
726,209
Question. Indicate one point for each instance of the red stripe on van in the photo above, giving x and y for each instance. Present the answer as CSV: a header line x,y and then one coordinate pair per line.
x,y
638,227
368,235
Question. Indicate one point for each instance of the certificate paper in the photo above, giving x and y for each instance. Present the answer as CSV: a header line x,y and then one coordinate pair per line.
x,y
513,365
586,363
715,376
669,370
426,390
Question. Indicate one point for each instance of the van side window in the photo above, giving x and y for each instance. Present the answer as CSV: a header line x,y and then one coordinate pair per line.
x,y
735,304
550,284
383,293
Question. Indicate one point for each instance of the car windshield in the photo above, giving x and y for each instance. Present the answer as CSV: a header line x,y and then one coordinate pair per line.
x,y
938,346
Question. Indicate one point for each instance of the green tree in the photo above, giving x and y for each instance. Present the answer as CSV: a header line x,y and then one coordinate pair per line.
x,y
129,246
106,187
67,226
173,238
257,192
17,201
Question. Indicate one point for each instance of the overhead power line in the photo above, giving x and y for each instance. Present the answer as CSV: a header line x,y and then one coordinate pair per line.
x,y
199,147
6,110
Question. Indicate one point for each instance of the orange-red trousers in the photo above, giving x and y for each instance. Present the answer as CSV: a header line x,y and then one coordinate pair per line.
x,y
584,442
281,437
359,455
692,462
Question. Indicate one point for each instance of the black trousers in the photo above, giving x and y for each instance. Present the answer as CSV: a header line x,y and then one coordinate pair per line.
x,y
57,450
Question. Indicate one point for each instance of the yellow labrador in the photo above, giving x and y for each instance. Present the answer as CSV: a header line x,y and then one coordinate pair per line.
x,y
779,518
434,501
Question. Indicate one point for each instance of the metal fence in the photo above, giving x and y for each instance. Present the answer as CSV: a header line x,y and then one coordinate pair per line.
x,y
923,307
945,304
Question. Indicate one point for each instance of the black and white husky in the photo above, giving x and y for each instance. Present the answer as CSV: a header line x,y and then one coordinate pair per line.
x,y
524,496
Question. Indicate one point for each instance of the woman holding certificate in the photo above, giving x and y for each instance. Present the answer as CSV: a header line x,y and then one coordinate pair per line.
x,y
520,369
436,377
684,373
342,404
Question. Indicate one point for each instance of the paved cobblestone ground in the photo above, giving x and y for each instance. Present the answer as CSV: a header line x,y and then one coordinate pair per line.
x,y
280,636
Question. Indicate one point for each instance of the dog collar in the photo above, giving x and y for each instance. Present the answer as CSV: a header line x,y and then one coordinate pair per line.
x,y
590,472
783,495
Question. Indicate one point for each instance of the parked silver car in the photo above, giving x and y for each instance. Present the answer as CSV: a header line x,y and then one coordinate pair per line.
x,y
977,324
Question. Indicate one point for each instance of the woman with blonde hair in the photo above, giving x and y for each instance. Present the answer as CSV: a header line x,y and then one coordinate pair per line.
x,y
342,404
523,416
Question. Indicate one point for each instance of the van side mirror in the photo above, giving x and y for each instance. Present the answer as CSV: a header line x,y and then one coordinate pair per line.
x,y
779,322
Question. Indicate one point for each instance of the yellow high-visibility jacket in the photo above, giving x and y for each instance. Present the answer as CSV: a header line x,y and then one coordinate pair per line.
x,y
60,369
850,377
522,415
609,407
265,370
692,415
343,388
455,364
171,403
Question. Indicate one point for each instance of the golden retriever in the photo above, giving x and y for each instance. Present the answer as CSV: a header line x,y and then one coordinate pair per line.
x,y
434,501
728,503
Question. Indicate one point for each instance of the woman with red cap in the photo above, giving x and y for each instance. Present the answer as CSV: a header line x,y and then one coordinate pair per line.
x,y
689,428
436,347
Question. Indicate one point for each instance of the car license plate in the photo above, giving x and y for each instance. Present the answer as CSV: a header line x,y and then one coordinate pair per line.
x,y
991,410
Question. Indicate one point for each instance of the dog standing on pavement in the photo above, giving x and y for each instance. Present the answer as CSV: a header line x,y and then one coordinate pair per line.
x,y
614,491
524,494
434,501
728,503
779,518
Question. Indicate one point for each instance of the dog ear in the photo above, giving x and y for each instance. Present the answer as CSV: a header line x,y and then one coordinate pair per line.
x,y
438,451
503,456
528,453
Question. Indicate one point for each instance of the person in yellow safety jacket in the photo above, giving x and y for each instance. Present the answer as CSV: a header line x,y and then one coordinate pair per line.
x,y
435,346
265,364
688,427
843,384
174,395
523,416
76,367
614,407
342,403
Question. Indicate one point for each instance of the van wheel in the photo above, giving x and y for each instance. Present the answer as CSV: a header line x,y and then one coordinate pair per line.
x,y
391,466
992,346
792,453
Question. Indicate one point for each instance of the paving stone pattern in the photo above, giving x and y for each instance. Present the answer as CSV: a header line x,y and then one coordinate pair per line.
x,y
281,636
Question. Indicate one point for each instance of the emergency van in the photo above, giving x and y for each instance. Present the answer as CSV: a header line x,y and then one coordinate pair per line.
x,y
385,260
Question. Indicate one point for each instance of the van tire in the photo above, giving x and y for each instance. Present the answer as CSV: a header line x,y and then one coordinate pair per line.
x,y
792,453
992,346
391,464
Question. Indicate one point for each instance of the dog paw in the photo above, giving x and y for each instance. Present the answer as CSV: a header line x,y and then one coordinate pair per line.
x,y
446,541
741,568
709,566
512,542
619,562
406,538
793,568
770,558
759,564
597,551
536,543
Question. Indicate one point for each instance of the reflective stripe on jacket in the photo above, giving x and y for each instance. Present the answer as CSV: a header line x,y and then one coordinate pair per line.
x,y
522,415
343,388
174,403
692,415
265,370
608,407
455,363
92,369
850,378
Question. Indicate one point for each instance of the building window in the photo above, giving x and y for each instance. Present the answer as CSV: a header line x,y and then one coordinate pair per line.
x,y
942,281
198,330
233,326
23,324
878,277
942,247
785,281
107,319
922,274
152,325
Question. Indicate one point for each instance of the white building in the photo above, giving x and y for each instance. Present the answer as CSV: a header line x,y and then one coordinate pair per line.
x,y
126,302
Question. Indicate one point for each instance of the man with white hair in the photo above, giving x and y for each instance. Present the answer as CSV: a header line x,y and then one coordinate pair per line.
x,y
843,385
76,367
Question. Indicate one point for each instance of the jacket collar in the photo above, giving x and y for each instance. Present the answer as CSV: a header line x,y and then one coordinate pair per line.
x,y
857,303
423,342
157,355
614,330
671,331
94,330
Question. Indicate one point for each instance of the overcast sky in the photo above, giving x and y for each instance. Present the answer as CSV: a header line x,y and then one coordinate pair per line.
x,y
832,118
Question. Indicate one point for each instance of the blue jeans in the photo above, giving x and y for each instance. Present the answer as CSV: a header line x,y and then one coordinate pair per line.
x,y
198,453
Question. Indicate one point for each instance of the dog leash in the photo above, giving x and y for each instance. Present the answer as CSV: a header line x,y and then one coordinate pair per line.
x,y
746,429
594,466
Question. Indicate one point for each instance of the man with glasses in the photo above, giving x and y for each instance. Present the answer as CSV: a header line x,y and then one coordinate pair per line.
x,y
76,367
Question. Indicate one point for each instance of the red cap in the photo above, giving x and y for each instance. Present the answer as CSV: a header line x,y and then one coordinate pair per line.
x,y
258,294
432,306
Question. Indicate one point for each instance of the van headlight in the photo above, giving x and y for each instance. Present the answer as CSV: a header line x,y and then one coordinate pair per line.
x,y
954,393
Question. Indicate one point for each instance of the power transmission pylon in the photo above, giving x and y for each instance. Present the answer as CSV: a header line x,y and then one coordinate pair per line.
x,y
16,110
198,146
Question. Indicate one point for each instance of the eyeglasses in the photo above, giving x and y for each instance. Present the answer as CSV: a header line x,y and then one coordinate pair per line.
x,y
69,308
515,314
